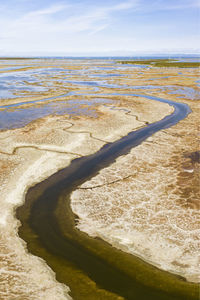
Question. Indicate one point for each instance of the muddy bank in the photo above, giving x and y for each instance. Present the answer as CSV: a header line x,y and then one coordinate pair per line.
x,y
45,211
30,154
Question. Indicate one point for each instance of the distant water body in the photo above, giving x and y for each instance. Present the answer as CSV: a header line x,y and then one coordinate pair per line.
x,y
181,57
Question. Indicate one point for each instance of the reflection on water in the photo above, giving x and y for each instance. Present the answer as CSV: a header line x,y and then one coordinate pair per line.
x,y
31,80
158,78
106,75
186,92
19,82
93,74
19,116
13,68
198,82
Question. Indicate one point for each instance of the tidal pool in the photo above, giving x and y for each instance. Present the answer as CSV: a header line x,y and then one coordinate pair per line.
x,y
15,116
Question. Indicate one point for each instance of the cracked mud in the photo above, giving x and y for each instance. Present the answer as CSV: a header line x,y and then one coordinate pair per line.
x,y
146,203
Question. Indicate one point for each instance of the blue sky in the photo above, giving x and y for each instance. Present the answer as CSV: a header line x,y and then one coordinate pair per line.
x,y
106,27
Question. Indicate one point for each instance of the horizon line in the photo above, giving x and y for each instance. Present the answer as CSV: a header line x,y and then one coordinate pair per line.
x,y
103,56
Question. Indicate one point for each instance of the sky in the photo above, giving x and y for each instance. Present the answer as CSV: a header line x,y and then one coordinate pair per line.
x,y
106,27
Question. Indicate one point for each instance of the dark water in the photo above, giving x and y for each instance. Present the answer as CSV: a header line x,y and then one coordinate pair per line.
x,y
48,227
48,224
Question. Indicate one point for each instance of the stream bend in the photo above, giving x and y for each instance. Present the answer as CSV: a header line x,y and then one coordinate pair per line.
x,y
48,227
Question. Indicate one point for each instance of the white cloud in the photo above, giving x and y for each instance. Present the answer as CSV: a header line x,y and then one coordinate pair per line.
x,y
172,5
48,11
68,26
60,26
123,6
45,21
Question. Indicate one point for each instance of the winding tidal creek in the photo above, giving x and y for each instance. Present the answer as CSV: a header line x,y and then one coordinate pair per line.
x,y
48,227
98,181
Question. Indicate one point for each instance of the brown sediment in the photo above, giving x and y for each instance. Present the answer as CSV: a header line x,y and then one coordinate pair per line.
x,y
148,201
42,222
188,180
30,154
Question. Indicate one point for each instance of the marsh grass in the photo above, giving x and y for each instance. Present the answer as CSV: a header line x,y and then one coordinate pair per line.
x,y
163,63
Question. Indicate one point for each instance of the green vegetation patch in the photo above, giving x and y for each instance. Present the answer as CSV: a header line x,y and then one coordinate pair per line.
x,y
163,63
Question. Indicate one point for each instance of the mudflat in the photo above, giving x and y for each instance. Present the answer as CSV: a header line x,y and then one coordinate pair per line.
x,y
144,204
